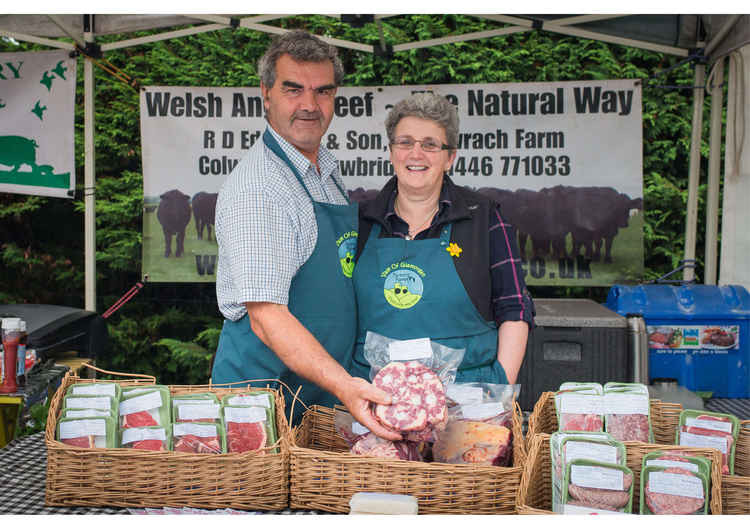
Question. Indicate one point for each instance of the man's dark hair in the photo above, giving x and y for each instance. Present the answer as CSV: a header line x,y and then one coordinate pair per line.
x,y
302,47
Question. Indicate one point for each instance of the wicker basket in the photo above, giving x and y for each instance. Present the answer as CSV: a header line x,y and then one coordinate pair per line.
x,y
535,490
126,477
735,490
325,475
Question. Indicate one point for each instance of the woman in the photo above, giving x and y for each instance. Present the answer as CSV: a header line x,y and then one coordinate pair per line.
x,y
436,260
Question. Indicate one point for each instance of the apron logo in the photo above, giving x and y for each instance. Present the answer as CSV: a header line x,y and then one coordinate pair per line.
x,y
454,249
403,285
347,245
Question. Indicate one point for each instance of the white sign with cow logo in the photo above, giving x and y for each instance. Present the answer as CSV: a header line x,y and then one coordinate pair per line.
x,y
37,118
564,160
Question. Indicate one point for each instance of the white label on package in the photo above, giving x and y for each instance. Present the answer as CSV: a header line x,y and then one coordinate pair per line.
x,y
675,484
405,350
71,429
254,414
86,413
358,429
99,403
708,424
704,441
597,477
250,400
462,394
198,430
578,403
95,389
577,509
479,411
131,435
626,404
136,391
149,401
595,451
668,463
191,412
179,402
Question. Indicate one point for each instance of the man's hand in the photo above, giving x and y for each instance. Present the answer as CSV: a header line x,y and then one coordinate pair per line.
x,y
356,396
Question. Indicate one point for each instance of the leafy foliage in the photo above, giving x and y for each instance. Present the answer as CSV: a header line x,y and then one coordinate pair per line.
x,y
172,330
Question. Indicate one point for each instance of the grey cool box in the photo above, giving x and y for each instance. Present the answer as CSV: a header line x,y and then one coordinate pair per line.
x,y
576,340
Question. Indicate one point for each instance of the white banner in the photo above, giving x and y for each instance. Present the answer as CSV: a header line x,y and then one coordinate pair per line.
x,y
563,159
37,118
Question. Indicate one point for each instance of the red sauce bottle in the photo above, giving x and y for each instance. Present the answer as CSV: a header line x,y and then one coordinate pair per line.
x,y
11,328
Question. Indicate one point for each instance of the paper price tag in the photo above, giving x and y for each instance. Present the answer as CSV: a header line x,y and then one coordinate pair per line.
x,y
668,463
675,484
191,412
149,401
709,424
86,413
199,430
578,403
626,404
704,441
594,451
132,435
405,350
250,400
462,394
597,477
95,389
82,428
99,403
254,414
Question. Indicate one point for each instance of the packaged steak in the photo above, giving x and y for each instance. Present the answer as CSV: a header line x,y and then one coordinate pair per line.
x,y
80,413
199,438
710,430
112,389
248,428
96,432
673,490
580,408
132,391
627,412
414,373
258,397
567,446
154,438
90,402
193,399
592,486
147,408
675,459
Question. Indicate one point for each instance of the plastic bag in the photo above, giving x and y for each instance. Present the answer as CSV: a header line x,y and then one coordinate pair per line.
x,y
592,486
248,428
711,430
155,438
264,399
147,408
627,412
99,432
477,401
673,490
199,438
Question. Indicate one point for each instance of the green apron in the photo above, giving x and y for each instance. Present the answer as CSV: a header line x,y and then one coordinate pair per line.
x,y
410,289
321,297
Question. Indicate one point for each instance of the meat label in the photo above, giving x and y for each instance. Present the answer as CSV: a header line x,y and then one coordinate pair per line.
x,y
358,429
668,463
597,477
149,401
577,403
675,484
483,410
180,402
704,441
252,414
86,413
577,509
405,350
132,435
595,451
250,400
626,404
199,430
95,389
462,394
82,428
191,412
708,424
99,403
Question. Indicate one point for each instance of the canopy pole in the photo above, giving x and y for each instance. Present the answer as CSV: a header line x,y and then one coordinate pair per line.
x,y
714,173
694,169
89,187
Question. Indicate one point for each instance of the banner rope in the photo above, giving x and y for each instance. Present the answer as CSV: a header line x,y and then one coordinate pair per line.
x,y
111,69
124,299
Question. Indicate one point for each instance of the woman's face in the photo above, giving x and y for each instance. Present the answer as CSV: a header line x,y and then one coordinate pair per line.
x,y
418,171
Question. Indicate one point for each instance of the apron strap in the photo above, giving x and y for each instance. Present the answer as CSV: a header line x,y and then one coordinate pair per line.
x,y
272,144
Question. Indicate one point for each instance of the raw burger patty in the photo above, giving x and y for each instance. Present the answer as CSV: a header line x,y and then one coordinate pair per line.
x,y
660,503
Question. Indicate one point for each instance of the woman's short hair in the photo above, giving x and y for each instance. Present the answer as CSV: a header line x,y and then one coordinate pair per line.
x,y
426,105
302,47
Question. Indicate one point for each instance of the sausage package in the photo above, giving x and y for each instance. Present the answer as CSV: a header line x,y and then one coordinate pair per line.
x,y
710,430
150,407
199,438
595,487
567,446
673,490
580,407
260,398
154,438
627,412
196,407
248,428
112,389
95,432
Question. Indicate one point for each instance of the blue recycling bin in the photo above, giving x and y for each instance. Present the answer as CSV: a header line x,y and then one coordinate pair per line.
x,y
697,334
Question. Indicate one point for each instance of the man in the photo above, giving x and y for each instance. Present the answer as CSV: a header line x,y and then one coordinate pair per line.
x,y
281,219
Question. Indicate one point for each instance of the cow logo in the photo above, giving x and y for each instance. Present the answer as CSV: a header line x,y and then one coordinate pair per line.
x,y
403,288
347,245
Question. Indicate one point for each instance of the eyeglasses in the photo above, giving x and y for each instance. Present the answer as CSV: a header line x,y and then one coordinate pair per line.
x,y
428,144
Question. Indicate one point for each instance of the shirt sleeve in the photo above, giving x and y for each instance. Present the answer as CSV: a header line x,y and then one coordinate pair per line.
x,y
258,240
511,300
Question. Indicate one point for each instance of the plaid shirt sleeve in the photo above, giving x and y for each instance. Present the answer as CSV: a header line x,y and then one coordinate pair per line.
x,y
511,300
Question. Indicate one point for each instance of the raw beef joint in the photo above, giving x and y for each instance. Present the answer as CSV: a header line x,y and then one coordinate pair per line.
x,y
245,436
659,503
474,442
417,397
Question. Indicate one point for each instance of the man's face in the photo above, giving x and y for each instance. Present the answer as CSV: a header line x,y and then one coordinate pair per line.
x,y
299,105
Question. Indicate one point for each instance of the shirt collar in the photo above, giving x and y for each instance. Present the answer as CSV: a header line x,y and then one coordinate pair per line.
x,y
326,160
